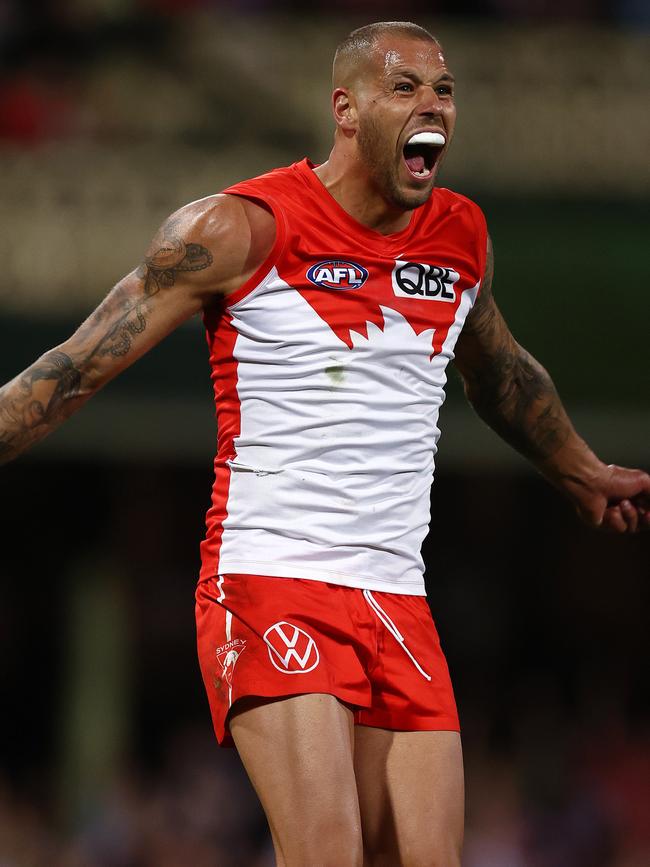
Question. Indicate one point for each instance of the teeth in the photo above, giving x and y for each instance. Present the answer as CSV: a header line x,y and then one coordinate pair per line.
x,y
429,138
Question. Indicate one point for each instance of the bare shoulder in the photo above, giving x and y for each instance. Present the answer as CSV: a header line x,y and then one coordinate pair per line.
x,y
255,227
219,241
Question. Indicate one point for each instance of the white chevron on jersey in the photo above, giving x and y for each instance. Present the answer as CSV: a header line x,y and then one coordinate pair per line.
x,y
329,367
335,456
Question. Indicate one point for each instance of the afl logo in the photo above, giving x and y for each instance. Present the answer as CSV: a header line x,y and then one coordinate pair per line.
x,y
337,274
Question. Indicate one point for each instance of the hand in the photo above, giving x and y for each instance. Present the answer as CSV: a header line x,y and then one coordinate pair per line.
x,y
615,499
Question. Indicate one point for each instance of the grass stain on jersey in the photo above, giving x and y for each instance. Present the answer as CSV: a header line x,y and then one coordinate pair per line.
x,y
336,373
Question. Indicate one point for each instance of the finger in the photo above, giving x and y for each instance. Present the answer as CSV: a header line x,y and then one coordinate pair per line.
x,y
630,515
644,519
593,517
613,520
630,483
642,516
641,501
642,486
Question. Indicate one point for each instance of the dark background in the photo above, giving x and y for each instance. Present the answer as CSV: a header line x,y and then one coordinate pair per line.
x,y
114,113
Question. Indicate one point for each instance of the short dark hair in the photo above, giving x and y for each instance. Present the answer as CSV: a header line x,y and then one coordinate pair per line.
x,y
364,38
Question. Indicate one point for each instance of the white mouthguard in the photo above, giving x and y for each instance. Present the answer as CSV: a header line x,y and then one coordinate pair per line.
x,y
428,138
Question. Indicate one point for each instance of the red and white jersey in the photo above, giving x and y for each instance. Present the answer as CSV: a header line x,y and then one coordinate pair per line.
x,y
329,367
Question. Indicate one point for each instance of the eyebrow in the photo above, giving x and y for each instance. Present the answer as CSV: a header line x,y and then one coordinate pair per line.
x,y
446,76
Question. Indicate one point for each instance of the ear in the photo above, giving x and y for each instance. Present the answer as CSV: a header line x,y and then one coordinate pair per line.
x,y
344,109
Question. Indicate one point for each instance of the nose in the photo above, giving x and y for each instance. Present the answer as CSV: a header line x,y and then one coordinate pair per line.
x,y
430,103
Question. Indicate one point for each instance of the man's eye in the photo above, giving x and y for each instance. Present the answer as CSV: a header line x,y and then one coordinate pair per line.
x,y
444,90
404,87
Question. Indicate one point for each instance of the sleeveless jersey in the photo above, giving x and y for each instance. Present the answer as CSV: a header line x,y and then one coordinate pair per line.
x,y
328,368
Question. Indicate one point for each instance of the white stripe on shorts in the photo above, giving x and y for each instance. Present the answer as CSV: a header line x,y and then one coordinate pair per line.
x,y
394,631
228,638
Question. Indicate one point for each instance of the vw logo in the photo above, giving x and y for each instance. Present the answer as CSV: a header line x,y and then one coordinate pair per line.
x,y
291,649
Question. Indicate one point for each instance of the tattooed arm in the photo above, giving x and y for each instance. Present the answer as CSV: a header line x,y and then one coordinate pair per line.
x,y
208,248
514,394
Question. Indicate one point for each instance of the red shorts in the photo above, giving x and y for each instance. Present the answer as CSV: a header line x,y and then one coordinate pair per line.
x,y
377,652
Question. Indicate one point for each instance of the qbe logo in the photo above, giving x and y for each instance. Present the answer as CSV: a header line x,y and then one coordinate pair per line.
x,y
426,282
291,649
337,274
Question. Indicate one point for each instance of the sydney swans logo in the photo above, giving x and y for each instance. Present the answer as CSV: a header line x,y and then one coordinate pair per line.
x,y
291,649
227,656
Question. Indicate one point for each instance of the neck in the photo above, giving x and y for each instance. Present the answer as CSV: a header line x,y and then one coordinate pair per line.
x,y
345,179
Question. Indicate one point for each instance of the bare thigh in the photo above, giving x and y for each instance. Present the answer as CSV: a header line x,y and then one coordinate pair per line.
x,y
298,753
411,796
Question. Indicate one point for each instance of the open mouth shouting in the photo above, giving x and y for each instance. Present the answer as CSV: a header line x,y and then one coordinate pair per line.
x,y
421,153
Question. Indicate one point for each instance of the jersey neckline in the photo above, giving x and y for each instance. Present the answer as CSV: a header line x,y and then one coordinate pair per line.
x,y
305,169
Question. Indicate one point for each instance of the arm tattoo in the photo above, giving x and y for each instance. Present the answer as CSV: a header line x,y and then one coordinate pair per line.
x,y
509,389
36,400
517,398
481,320
167,256
51,389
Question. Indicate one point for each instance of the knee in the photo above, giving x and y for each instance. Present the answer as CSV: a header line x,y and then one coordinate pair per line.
x,y
334,846
441,855
422,854
323,843
452,859
324,854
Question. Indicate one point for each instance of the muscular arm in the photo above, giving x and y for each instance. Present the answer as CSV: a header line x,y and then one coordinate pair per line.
x,y
206,249
514,394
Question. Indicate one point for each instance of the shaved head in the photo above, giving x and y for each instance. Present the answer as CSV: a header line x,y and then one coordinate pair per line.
x,y
354,54
392,83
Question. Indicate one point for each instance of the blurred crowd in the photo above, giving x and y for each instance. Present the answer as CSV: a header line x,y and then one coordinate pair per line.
x,y
49,48
589,810
198,809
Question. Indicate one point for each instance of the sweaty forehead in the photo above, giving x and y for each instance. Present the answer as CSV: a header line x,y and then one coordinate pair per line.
x,y
391,56
387,56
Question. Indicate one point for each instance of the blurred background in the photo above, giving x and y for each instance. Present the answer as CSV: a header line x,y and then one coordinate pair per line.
x,y
114,113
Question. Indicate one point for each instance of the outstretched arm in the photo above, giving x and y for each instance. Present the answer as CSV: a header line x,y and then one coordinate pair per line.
x,y
208,248
514,394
